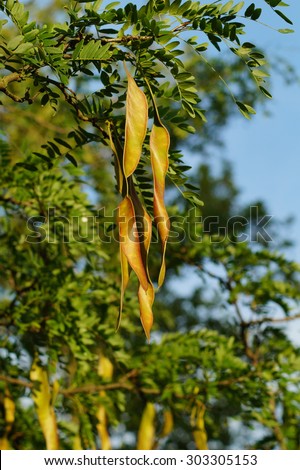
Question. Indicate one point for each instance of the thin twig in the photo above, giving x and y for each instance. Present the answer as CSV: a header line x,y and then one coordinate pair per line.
x,y
259,321
12,380
14,201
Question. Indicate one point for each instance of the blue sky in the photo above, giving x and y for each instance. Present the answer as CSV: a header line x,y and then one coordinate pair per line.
x,y
269,168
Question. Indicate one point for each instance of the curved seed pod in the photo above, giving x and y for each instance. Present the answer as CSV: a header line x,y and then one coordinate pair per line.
x,y
125,268
159,152
168,423
144,231
198,425
146,433
129,240
135,125
42,401
146,299
105,370
4,443
102,428
144,224
76,441
9,408
9,417
125,274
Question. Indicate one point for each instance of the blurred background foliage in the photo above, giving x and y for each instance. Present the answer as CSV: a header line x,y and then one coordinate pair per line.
x,y
221,369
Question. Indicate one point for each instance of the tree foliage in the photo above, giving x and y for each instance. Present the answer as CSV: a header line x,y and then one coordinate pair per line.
x,y
90,93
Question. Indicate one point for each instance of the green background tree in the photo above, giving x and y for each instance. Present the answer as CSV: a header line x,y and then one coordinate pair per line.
x,y
220,371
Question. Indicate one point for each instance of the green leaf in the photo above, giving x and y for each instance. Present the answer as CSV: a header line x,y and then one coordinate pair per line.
x,y
63,142
256,14
260,73
9,4
194,198
27,166
14,43
249,11
172,45
102,52
274,3
175,6
237,8
77,49
245,109
111,5
285,18
265,92
225,8
45,99
202,47
31,35
286,31
23,48
71,159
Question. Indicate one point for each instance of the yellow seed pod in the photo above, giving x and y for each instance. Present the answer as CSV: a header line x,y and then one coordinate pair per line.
x,y
135,125
198,425
146,299
146,432
105,370
42,399
159,152
168,423
129,240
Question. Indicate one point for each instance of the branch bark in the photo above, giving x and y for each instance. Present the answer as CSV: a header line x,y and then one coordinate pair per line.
x,y
259,321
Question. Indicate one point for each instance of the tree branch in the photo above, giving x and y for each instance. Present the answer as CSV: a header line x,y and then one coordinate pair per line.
x,y
15,77
12,77
13,381
125,39
72,99
124,384
259,321
13,201
226,283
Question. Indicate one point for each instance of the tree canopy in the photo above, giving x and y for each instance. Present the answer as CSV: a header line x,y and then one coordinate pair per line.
x,y
99,214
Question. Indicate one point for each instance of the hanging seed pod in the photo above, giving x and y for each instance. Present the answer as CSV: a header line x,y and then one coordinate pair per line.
x,y
9,418
42,400
129,240
198,425
168,423
159,151
125,274
135,125
146,299
146,433
105,370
